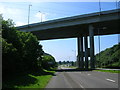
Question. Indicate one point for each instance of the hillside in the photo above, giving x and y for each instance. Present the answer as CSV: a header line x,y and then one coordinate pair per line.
x,y
109,58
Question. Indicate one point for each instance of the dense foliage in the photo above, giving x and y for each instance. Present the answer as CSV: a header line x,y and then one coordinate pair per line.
x,y
23,60
109,57
48,62
20,50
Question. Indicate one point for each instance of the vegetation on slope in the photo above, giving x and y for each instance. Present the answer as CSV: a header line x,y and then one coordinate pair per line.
x,y
109,58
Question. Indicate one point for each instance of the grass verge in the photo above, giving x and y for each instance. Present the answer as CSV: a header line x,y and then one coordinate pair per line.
x,y
31,80
111,71
41,82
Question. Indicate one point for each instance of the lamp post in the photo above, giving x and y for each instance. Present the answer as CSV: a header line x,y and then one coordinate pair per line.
x,y
40,15
29,13
117,4
75,53
75,56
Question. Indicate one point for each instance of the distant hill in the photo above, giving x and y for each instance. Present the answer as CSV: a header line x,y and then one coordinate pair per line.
x,y
109,58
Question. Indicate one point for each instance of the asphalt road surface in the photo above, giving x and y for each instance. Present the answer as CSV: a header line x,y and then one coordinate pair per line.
x,y
83,80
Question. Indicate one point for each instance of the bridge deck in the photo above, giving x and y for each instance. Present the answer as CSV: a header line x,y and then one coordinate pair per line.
x,y
76,26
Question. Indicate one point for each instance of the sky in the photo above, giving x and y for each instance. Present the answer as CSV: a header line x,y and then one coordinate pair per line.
x,y
61,49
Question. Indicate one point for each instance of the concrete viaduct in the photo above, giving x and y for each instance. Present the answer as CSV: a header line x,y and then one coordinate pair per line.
x,y
80,27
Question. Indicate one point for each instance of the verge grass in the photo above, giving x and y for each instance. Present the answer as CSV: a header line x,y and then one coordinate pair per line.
x,y
111,71
29,80
41,82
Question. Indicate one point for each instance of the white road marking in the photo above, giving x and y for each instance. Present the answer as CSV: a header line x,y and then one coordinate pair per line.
x,y
81,86
110,80
88,74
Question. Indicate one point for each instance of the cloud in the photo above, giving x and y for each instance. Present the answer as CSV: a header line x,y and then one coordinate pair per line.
x,y
16,14
9,12
20,23
41,16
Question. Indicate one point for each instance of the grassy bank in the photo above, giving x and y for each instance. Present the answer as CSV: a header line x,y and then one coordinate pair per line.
x,y
40,83
32,80
111,71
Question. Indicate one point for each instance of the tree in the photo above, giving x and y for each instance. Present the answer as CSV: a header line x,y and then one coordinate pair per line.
x,y
48,62
64,62
59,62
72,63
8,52
20,49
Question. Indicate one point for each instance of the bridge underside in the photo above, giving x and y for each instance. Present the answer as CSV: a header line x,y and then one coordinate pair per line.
x,y
81,27
105,28
82,32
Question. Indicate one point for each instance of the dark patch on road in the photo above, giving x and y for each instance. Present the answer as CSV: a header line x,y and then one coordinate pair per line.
x,y
71,81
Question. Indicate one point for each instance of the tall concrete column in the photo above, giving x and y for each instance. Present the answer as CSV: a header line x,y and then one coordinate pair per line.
x,y
81,53
78,56
91,34
86,51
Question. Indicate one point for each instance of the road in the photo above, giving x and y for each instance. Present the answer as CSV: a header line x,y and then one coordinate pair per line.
x,y
83,80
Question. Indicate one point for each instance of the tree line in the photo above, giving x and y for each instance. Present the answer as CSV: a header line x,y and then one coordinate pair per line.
x,y
21,51
109,58
68,63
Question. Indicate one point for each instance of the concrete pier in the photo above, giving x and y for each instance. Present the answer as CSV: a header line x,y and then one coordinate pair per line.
x,y
80,52
86,51
91,35
78,56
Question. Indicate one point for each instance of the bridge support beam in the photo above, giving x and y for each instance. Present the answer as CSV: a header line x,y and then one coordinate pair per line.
x,y
86,52
91,35
80,53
